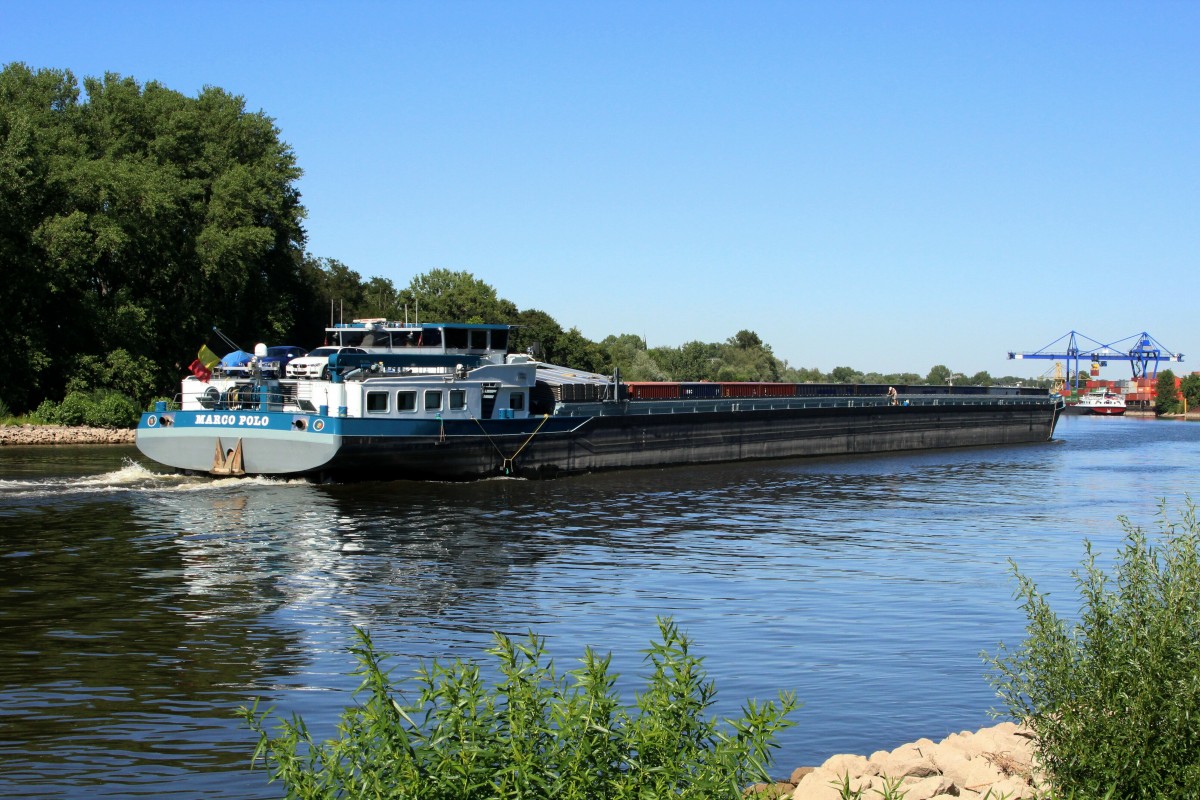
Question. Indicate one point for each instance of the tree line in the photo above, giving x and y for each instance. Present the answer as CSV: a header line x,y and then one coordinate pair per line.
x,y
134,220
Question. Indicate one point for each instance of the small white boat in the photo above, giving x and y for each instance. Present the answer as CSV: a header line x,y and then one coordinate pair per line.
x,y
1102,401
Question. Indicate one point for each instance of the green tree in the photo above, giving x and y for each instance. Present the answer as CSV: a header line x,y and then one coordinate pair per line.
x,y
747,340
576,350
443,295
939,375
805,375
1166,400
1190,387
380,300
845,375
133,222
628,354
340,295
744,357
37,113
536,332
696,361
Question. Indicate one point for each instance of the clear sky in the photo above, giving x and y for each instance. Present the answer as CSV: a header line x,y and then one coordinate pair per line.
x,y
880,185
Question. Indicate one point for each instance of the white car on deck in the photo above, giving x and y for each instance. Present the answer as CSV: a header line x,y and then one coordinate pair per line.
x,y
316,364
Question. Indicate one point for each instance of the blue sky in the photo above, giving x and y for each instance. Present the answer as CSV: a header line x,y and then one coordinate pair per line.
x,y
880,185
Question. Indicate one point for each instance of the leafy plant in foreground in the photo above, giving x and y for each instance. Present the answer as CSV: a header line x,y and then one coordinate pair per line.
x,y
1114,698
531,734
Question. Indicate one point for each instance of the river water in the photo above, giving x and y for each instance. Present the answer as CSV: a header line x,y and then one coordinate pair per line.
x,y
139,610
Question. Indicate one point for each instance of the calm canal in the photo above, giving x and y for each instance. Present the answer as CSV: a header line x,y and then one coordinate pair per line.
x,y
138,610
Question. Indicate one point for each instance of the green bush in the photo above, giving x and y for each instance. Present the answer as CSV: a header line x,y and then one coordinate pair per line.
x,y
74,408
1166,400
533,734
115,371
1114,697
100,409
111,410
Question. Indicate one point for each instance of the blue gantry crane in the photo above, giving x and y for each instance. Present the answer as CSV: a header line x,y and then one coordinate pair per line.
x,y
1141,350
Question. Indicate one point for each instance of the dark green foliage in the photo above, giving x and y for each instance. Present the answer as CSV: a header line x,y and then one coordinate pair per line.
x,y
1190,387
447,296
939,375
982,378
133,221
102,408
118,371
1166,400
845,375
1114,696
532,734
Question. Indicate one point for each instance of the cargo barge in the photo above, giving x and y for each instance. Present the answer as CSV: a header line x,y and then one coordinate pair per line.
x,y
447,401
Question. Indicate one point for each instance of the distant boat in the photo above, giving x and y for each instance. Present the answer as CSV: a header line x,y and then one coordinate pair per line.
x,y
1101,401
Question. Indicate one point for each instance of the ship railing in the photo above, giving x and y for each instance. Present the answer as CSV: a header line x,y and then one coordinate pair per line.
x,y
673,406
244,397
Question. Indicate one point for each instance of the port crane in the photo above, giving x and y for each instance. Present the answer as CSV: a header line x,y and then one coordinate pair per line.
x,y
1141,350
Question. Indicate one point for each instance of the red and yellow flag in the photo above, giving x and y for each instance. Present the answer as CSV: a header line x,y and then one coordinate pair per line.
x,y
207,357
205,360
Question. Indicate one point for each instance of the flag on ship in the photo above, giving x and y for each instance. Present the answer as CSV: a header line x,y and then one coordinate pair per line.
x,y
205,360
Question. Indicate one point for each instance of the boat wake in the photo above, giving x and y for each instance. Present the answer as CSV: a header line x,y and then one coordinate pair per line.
x,y
131,477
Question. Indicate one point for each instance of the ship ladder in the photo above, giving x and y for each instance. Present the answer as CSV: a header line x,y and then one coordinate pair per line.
x,y
228,462
508,462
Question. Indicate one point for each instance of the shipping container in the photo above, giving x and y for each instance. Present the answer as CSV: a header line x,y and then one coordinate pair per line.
x,y
778,390
820,389
741,389
700,391
653,391
871,390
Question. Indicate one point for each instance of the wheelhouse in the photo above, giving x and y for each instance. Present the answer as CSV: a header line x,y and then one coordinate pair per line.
x,y
489,343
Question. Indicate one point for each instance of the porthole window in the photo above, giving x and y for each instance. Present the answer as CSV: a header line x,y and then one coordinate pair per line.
x,y
406,400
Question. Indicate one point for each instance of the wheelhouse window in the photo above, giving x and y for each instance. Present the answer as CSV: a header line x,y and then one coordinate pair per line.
x,y
433,400
456,338
478,339
406,400
500,340
377,402
516,401
458,399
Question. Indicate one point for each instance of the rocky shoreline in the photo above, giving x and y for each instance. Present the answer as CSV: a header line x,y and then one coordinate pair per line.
x,y
62,434
994,763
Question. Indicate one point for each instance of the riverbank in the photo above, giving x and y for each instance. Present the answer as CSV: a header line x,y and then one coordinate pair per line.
x,y
62,434
995,762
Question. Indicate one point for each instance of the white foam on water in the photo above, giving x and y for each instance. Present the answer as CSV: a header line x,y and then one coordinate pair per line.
x,y
132,477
